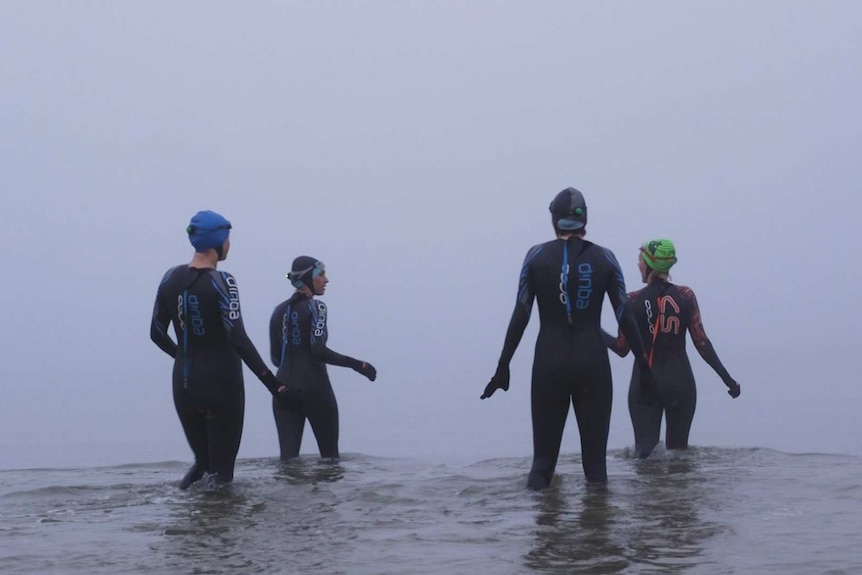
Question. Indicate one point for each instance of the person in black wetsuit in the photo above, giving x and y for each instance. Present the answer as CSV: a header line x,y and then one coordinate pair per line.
x,y
297,335
209,396
569,277
664,312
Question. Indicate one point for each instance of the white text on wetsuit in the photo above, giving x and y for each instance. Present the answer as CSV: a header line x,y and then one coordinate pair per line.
x,y
233,291
320,326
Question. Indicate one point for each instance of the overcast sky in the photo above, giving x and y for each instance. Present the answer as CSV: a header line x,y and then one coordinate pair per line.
x,y
414,148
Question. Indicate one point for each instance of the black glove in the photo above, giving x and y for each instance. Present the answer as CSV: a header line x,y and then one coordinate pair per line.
x,y
367,370
499,381
288,397
733,389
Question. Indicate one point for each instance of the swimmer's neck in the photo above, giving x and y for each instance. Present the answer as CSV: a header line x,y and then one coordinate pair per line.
x,y
203,260
569,235
304,290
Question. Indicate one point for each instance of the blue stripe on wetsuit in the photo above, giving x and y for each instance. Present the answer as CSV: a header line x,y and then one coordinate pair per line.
x,y
564,281
285,329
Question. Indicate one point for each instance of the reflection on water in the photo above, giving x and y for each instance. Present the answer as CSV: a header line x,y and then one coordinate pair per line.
x,y
208,528
706,510
648,519
573,533
242,526
668,497
303,472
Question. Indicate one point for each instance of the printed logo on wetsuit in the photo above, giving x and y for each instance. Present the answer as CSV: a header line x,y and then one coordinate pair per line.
x,y
585,285
197,319
180,315
295,334
666,323
564,286
290,327
320,324
233,292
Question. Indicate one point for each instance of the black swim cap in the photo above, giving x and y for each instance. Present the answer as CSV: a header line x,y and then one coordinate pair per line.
x,y
569,210
303,271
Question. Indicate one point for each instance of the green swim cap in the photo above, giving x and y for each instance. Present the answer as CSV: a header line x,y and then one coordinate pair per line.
x,y
660,255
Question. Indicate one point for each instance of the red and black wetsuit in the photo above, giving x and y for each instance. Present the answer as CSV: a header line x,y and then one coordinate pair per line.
x,y
664,312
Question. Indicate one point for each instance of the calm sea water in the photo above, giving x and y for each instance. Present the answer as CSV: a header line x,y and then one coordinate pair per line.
x,y
701,511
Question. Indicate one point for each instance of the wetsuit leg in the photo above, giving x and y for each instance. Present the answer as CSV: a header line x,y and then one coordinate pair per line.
x,y
646,421
592,406
194,421
322,414
224,432
290,424
679,418
549,398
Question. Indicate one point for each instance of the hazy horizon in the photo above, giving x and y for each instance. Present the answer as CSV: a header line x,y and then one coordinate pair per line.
x,y
414,148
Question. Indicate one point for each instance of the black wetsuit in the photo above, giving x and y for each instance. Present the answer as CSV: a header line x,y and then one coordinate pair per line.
x,y
571,361
297,335
203,305
664,312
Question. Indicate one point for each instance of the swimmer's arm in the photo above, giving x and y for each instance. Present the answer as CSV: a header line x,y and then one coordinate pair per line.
x,y
159,327
235,328
319,334
618,344
703,345
625,316
523,309
275,335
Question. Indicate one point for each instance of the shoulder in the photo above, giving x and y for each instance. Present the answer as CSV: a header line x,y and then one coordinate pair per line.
x,y
279,309
636,293
685,291
226,276
604,254
223,279
169,274
535,250
686,295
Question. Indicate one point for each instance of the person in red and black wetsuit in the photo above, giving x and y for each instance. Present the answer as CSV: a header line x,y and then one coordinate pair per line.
x,y
664,312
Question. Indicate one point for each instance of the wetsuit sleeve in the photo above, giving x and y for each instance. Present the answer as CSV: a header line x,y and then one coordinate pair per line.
x,y
622,308
616,344
319,335
275,335
161,320
701,342
523,308
231,316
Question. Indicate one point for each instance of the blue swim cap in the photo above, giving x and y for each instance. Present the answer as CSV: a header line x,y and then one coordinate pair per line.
x,y
208,230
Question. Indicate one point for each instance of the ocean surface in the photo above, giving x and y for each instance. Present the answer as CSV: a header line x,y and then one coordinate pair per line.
x,y
707,510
